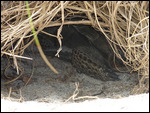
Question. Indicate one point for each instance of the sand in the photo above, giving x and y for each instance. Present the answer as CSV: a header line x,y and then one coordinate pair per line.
x,y
69,90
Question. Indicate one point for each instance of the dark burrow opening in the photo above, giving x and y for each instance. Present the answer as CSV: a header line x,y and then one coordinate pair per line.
x,y
85,53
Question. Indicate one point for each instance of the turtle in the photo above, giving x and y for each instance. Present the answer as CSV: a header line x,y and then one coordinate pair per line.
x,y
90,51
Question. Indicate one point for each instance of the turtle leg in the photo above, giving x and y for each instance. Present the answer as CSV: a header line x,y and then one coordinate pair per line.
x,y
88,60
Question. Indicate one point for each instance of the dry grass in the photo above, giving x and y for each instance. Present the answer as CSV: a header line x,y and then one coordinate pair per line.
x,y
124,23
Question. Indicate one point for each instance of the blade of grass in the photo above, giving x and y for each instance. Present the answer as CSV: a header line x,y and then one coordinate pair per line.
x,y
37,41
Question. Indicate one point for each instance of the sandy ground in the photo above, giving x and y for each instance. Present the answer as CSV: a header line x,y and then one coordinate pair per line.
x,y
138,103
67,91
